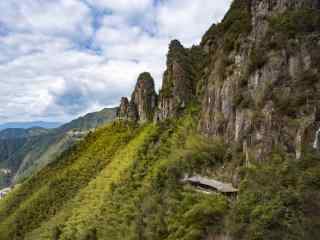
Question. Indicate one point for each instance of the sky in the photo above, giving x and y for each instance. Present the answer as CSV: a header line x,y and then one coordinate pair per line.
x,y
60,59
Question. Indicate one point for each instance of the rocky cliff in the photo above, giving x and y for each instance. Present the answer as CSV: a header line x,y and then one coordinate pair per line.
x,y
179,82
262,90
143,101
179,87
256,75
251,86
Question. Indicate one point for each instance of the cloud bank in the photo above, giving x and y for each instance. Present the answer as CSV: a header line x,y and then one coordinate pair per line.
x,y
62,58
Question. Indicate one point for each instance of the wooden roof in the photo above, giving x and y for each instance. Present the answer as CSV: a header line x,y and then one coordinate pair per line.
x,y
219,186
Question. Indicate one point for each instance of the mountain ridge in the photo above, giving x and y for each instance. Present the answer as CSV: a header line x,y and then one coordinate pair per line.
x,y
24,150
26,125
240,108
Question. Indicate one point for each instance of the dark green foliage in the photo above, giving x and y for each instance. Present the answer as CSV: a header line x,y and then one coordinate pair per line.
x,y
291,25
227,36
151,203
56,233
201,155
258,58
167,89
296,22
303,92
237,22
190,64
244,99
279,199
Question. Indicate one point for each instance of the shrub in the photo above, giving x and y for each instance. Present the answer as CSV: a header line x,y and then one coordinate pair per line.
x,y
275,199
294,22
258,58
237,22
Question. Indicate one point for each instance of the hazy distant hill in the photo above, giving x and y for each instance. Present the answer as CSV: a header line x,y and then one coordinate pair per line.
x,y
23,151
239,114
13,133
11,141
26,125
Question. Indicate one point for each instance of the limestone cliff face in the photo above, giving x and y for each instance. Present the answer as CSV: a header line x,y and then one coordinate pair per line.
x,y
143,101
144,98
262,9
179,83
256,75
263,91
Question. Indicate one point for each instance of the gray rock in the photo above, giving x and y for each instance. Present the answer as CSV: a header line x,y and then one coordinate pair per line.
x,y
143,101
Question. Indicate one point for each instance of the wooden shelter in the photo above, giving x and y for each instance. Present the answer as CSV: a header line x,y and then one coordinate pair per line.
x,y
211,185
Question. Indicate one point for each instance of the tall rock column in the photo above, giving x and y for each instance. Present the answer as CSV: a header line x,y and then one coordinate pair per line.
x,y
178,86
143,101
144,97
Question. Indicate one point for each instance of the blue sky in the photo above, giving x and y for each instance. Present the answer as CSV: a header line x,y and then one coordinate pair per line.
x,y
62,58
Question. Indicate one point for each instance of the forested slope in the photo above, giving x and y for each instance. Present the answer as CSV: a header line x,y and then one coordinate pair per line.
x,y
241,108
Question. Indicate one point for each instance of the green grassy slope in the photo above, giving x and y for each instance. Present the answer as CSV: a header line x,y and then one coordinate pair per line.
x,y
106,185
39,151
44,194
123,182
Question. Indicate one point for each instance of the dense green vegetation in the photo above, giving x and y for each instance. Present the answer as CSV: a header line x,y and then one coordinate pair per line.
x,y
25,151
279,200
42,196
124,182
236,23
296,22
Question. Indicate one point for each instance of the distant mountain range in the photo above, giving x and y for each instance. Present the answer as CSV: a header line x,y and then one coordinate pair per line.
x,y
25,150
14,133
229,149
26,125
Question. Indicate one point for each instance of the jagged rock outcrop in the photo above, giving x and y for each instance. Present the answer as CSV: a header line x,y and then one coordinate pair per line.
x,y
123,110
256,74
262,90
179,81
143,101
144,97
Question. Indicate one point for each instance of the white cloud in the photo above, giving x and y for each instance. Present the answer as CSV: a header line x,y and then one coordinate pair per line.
x,y
46,16
188,19
50,68
130,7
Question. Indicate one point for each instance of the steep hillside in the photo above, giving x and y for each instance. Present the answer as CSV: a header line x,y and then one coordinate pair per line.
x,y
11,141
239,113
40,151
23,151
